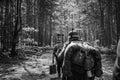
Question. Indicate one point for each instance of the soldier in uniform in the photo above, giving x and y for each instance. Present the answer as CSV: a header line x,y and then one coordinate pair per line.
x,y
57,49
116,70
77,65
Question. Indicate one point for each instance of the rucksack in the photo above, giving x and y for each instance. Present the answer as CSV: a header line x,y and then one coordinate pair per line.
x,y
78,58
89,61
82,60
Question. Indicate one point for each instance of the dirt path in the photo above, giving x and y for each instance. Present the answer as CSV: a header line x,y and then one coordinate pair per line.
x,y
107,66
37,68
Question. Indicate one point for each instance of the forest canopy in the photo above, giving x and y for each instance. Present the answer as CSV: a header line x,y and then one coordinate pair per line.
x,y
36,22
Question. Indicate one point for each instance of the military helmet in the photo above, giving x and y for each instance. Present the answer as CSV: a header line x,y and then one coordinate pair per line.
x,y
59,37
73,35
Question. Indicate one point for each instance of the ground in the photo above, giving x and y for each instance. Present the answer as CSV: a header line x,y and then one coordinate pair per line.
x,y
36,67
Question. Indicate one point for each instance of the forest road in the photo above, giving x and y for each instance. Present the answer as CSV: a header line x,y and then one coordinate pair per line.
x,y
37,68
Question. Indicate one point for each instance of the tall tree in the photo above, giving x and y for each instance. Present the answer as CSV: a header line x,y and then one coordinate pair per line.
x,y
117,6
17,28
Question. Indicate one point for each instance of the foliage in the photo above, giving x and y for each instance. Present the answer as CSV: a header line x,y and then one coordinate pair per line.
x,y
27,37
10,24
38,14
96,18
93,19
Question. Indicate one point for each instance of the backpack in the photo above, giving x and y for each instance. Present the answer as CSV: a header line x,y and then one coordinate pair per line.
x,y
89,61
78,58
82,60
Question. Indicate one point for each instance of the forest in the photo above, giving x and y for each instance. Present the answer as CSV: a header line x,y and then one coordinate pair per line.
x,y
36,23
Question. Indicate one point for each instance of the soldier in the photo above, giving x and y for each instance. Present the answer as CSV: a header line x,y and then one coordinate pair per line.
x,y
56,51
70,37
116,70
57,47
81,62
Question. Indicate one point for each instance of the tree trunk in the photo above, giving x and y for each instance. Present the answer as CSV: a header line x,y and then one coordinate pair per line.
x,y
40,27
117,5
50,30
17,29
108,27
102,32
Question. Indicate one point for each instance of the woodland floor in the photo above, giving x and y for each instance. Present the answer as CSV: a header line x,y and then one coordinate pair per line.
x,y
36,67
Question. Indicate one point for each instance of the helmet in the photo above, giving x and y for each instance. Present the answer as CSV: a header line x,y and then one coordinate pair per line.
x,y
73,35
59,37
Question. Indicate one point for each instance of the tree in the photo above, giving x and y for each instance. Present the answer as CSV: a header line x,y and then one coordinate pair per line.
x,y
17,28
117,3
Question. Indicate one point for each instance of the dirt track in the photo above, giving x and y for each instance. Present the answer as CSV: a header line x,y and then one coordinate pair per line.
x,y
37,68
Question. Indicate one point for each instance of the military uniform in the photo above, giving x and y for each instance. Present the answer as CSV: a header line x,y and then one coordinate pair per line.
x,y
56,51
116,70
61,55
73,71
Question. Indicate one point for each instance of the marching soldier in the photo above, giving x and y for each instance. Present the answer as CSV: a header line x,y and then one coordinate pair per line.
x,y
81,62
56,51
